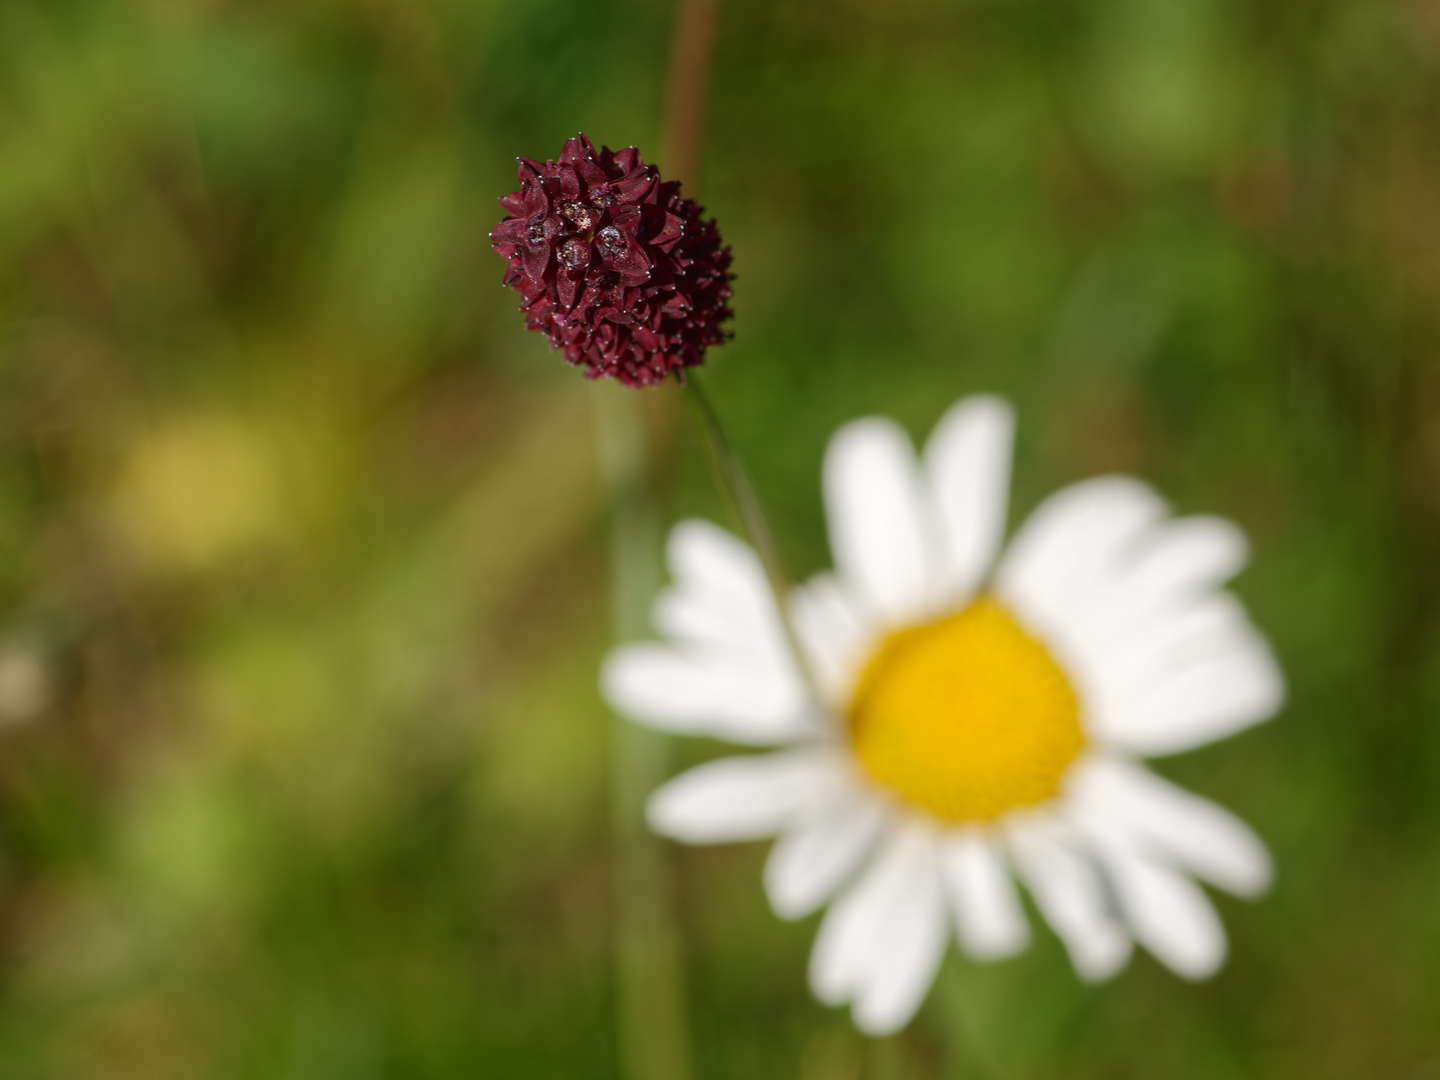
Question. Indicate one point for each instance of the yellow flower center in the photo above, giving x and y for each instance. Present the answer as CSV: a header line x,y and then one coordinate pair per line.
x,y
966,717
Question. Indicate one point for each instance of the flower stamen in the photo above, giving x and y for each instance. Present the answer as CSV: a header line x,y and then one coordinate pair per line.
x,y
966,717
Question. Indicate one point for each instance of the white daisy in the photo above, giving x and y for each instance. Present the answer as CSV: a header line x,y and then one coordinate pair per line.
x,y
975,714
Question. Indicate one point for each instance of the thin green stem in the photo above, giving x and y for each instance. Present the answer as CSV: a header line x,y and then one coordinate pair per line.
x,y
735,485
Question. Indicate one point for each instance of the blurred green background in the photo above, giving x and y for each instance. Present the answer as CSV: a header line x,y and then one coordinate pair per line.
x,y
305,575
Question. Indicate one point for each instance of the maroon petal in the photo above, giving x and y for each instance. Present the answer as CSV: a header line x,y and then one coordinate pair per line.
x,y
509,231
535,259
568,284
628,160
633,261
634,187
591,173
576,150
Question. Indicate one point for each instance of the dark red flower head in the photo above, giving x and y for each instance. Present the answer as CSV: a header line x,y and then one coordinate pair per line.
x,y
613,266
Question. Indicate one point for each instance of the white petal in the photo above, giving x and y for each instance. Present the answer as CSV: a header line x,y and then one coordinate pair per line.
x,y
705,694
1163,568
709,559
1070,895
740,798
721,597
914,948
882,943
1200,703
818,853
1204,838
1160,644
1184,557
1169,913
881,533
1155,582
988,916
1074,538
695,620
967,461
835,632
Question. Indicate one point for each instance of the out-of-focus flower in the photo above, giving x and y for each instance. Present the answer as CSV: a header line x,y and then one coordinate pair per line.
x,y
968,722
26,682
194,492
613,266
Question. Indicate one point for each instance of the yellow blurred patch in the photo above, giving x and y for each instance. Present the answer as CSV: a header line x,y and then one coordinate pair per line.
x,y
195,492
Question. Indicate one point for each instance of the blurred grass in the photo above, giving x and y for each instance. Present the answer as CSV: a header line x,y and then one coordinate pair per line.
x,y
303,774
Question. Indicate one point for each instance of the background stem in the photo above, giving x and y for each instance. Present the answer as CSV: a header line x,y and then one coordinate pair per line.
x,y
688,93
650,1013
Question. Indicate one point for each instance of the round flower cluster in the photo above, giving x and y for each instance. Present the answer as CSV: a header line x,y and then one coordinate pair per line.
x,y
613,266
